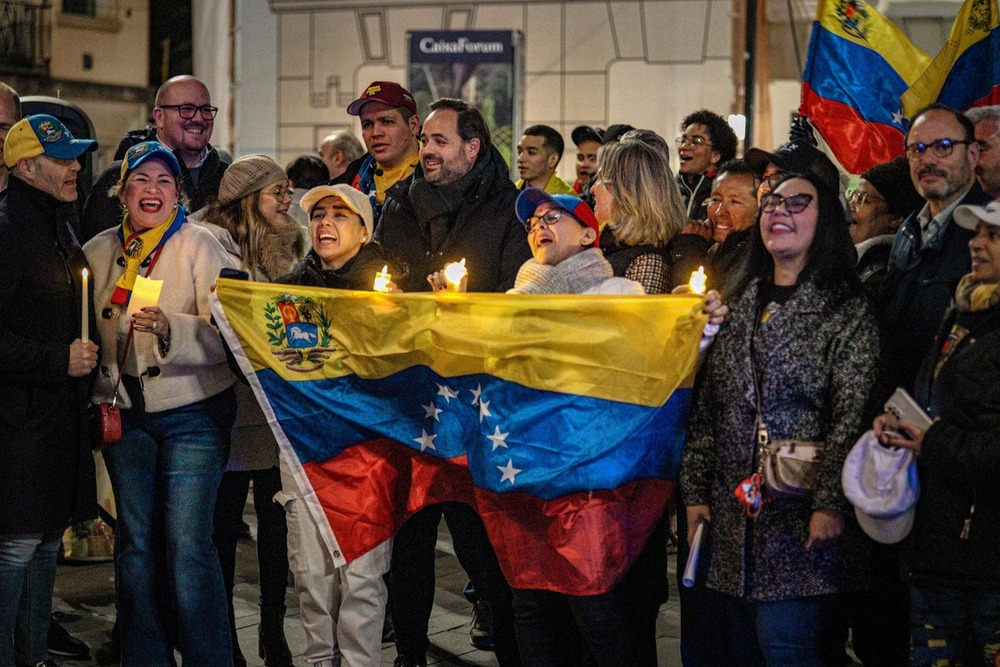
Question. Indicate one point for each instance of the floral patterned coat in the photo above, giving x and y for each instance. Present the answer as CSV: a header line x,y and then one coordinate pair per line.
x,y
816,357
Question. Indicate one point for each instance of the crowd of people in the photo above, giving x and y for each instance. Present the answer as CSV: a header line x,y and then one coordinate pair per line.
x,y
823,300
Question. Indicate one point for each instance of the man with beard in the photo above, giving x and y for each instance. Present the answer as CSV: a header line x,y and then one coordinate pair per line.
x,y
458,203
183,122
929,255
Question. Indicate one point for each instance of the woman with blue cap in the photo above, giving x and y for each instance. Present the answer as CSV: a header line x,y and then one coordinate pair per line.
x,y
163,361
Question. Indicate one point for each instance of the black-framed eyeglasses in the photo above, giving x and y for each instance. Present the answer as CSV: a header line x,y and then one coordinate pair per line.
x,y
187,111
770,202
940,148
696,140
857,198
280,193
550,218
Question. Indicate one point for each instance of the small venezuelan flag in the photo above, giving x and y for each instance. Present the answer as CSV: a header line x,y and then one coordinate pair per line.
x,y
559,418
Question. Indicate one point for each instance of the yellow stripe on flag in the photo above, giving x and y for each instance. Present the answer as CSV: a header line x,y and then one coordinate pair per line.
x,y
627,348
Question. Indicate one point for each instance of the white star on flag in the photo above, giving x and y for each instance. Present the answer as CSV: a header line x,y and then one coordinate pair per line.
x,y
447,392
484,410
897,117
431,411
426,440
498,439
508,472
476,393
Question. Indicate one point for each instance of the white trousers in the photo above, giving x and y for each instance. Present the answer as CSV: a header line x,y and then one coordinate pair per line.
x,y
342,609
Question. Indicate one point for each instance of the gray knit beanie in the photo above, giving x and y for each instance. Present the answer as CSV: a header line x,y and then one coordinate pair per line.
x,y
247,175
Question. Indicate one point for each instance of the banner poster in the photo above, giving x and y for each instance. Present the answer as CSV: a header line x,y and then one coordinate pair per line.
x,y
482,67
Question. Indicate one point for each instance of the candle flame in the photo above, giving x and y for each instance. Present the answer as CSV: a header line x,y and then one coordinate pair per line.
x,y
382,280
698,281
454,273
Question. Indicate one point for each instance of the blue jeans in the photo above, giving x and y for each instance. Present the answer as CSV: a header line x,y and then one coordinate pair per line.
x,y
954,626
165,473
783,633
27,577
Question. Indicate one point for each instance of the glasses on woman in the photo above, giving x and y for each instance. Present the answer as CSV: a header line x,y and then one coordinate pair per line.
x,y
280,193
549,218
696,140
769,203
187,111
858,197
939,148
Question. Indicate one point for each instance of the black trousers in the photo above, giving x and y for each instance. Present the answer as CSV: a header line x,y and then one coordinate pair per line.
x,y
272,533
412,593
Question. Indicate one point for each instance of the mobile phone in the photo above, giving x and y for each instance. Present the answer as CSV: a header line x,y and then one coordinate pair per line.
x,y
902,406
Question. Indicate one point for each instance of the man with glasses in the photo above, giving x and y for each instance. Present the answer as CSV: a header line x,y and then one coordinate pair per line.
x,y
183,120
987,122
706,141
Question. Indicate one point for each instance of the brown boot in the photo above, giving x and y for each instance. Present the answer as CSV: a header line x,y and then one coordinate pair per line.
x,y
271,644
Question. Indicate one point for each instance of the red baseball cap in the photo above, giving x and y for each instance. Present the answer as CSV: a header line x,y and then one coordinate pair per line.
x,y
386,92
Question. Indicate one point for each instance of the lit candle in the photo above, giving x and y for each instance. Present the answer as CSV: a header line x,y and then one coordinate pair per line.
x,y
454,273
382,280
698,280
85,308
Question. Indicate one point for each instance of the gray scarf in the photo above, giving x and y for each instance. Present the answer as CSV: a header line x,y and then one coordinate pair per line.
x,y
582,271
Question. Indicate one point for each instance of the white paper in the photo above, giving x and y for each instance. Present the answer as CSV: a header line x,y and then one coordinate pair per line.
x,y
691,567
145,292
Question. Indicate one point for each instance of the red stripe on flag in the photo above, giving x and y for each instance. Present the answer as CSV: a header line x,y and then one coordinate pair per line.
x,y
992,98
858,144
370,489
581,544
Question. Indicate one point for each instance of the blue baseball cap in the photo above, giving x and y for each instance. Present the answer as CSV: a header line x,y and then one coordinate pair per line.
x,y
530,198
149,150
42,134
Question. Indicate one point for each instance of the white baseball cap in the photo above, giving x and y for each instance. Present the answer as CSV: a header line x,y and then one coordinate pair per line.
x,y
882,484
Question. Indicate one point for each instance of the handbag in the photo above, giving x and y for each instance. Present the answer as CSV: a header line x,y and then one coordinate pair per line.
x,y
106,418
787,467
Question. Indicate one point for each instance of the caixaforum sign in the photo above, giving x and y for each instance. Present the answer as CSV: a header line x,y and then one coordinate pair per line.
x,y
450,46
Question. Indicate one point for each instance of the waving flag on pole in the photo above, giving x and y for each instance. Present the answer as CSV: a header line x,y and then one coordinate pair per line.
x,y
858,65
560,418
966,72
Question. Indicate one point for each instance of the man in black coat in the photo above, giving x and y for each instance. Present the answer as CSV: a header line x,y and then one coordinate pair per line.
x,y
184,118
459,203
46,467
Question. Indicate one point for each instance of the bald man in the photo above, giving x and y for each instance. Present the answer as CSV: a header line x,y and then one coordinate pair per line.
x,y
183,120
338,150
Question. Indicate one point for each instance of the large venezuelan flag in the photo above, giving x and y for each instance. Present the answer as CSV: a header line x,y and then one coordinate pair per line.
x,y
561,419
859,64
966,72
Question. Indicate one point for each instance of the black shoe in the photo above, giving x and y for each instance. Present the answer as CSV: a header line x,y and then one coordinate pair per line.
x,y
403,661
481,628
62,643
271,644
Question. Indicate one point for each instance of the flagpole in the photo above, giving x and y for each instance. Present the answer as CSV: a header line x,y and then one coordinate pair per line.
x,y
749,70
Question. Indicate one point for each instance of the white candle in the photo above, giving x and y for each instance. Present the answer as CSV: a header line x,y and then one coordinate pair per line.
x,y
85,308
698,281
382,280
454,273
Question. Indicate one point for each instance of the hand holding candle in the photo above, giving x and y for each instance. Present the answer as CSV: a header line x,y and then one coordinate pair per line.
x,y
383,280
85,308
699,280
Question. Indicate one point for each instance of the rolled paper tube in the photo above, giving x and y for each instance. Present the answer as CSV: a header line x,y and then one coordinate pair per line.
x,y
691,567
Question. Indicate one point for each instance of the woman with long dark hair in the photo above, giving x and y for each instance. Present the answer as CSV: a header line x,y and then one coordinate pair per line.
x,y
794,362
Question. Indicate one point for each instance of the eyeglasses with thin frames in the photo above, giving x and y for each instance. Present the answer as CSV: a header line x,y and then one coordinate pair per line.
x,y
857,198
187,111
939,148
280,193
770,202
696,140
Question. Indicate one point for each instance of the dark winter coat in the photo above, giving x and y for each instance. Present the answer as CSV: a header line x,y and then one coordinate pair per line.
x,y
46,466
815,357
485,230
358,273
959,461
916,293
694,199
103,211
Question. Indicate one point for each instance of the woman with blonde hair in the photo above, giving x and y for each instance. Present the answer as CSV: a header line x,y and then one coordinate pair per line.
x,y
640,210
250,219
